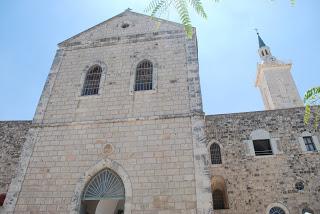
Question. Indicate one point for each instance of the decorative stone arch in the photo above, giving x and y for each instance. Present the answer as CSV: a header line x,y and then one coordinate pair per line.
x,y
306,134
89,174
135,62
259,134
277,205
212,142
84,72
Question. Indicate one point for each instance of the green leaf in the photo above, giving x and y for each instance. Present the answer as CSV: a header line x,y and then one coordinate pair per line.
x,y
182,8
311,94
153,5
197,5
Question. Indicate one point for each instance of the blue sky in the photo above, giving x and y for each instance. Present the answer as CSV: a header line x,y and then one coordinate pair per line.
x,y
31,29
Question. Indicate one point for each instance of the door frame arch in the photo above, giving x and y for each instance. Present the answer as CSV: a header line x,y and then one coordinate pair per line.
x,y
90,173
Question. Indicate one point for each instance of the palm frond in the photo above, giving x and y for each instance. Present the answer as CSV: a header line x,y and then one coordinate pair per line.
x,y
165,7
182,8
311,94
153,5
293,2
197,5
158,7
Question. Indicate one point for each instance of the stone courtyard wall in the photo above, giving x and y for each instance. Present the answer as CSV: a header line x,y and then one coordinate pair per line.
x,y
255,182
12,137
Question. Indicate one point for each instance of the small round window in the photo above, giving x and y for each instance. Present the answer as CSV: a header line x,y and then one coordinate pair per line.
x,y
299,185
276,210
125,25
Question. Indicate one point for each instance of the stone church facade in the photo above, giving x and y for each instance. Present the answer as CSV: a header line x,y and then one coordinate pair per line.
x,y
119,128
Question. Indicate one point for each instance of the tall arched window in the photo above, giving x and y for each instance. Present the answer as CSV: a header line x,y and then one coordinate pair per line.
x,y
92,81
215,154
219,193
143,80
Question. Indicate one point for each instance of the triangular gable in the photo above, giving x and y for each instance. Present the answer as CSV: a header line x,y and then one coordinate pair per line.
x,y
115,26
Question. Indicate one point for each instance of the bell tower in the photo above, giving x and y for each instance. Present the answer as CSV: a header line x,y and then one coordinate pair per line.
x,y
275,81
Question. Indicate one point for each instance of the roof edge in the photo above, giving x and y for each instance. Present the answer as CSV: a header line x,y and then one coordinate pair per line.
x,y
119,15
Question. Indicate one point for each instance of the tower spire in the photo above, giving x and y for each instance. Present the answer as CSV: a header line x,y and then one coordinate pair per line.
x,y
275,81
264,51
261,42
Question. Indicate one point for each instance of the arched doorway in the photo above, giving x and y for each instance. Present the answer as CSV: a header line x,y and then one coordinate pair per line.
x,y
104,194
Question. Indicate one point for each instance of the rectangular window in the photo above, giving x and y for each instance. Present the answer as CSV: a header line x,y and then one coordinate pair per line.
x,y
309,144
262,147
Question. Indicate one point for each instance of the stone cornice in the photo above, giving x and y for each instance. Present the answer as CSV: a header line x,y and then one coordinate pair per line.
x,y
127,39
119,120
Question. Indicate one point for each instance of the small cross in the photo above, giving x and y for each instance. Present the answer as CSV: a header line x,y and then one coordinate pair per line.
x,y
256,29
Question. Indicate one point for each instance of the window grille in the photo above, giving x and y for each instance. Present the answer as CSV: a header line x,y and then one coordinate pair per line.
x,y
143,79
299,185
218,200
92,81
309,144
215,154
105,185
276,210
262,147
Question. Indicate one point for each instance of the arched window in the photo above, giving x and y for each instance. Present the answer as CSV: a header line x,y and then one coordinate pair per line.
x,y
92,81
276,210
105,191
215,154
143,80
307,211
266,52
219,193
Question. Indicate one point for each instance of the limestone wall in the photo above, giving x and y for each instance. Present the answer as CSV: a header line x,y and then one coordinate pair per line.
x,y
255,182
12,137
156,155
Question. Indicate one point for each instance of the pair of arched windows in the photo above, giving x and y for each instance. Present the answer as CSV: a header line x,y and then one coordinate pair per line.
x,y
264,52
143,78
